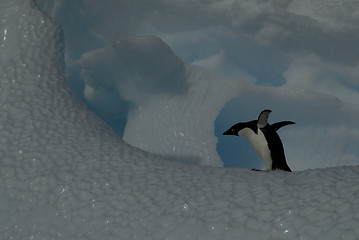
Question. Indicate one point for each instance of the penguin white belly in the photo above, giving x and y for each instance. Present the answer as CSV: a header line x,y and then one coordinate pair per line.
x,y
260,145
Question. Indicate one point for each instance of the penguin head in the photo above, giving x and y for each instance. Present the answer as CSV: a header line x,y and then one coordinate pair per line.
x,y
246,129
242,129
232,131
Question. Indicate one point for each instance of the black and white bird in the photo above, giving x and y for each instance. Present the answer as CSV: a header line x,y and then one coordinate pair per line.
x,y
264,139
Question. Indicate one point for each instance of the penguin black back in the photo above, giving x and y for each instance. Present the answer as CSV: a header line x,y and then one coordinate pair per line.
x,y
276,148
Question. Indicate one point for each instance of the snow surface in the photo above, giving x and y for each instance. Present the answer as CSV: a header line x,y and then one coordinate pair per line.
x,y
65,175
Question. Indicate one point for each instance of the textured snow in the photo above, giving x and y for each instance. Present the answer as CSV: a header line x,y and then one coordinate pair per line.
x,y
65,175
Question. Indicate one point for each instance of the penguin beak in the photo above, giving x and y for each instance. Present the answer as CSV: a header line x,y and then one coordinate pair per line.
x,y
228,132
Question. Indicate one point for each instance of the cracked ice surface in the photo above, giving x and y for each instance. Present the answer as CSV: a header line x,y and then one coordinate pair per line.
x,y
65,175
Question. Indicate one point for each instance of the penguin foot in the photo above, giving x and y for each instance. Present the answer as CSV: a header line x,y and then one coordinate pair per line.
x,y
258,170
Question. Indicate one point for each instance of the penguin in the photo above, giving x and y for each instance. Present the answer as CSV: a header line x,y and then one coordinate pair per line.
x,y
264,139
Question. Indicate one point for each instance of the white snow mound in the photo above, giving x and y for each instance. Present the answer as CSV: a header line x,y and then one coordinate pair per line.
x,y
65,175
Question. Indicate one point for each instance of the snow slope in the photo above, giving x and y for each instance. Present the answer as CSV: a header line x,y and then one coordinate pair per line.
x,y
65,175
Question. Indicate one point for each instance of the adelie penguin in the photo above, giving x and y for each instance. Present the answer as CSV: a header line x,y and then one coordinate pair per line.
x,y
264,139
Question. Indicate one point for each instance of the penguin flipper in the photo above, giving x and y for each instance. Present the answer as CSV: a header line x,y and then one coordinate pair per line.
x,y
263,118
278,125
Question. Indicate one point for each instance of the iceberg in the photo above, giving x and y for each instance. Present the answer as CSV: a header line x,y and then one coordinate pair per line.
x,y
173,104
312,88
64,174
